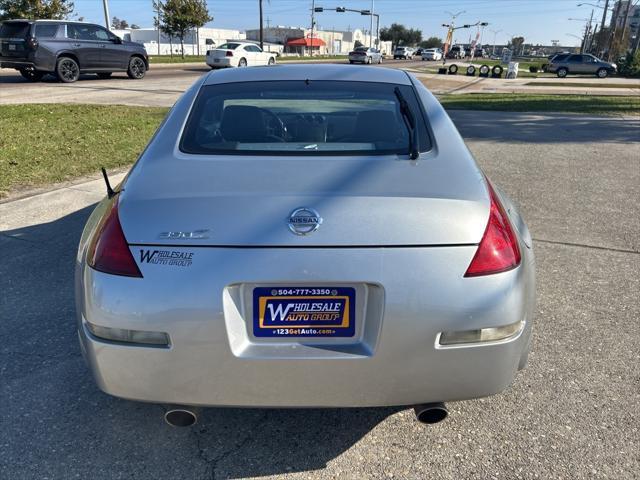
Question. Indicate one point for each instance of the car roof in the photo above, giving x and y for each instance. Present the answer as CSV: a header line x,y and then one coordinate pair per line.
x,y
333,72
46,21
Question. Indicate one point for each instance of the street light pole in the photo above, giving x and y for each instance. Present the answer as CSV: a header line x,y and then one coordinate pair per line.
x,y
107,22
261,27
495,33
371,25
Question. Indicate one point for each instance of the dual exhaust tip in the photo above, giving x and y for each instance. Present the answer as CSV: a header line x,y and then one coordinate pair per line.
x,y
427,413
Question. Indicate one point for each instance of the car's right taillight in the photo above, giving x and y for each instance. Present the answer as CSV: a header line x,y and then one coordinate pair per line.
x,y
109,251
498,250
229,53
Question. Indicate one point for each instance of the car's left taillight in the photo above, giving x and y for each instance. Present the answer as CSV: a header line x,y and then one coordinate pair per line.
x,y
498,250
108,250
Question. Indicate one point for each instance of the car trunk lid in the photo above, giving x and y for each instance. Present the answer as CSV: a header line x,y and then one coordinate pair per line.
x,y
248,202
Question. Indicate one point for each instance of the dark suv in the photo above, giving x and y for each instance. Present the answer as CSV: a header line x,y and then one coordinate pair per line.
x,y
66,49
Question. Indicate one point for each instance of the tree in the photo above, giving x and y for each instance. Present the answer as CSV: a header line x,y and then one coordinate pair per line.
x,y
180,16
431,42
357,44
398,34
517,43
35,9
119,24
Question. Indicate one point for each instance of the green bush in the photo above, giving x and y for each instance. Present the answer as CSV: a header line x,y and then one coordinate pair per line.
x,y
630,65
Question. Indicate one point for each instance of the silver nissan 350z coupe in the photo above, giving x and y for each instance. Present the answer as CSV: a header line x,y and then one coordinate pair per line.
x,y
299,236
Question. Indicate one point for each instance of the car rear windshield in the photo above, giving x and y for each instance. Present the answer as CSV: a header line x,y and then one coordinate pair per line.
x,y
14,30
229,46
302,118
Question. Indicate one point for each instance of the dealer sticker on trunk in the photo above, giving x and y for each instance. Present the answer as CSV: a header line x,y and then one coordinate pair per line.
x,y
304,312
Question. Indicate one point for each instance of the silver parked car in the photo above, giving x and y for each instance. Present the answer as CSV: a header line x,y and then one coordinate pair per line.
x,y
305,237
365,55
566,64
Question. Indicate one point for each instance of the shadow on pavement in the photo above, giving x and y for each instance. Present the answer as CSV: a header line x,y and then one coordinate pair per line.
x,y
17,78
55,420
544,127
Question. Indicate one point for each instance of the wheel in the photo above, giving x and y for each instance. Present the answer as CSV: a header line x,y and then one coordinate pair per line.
x,y
31,74
379,60
137,68
272,61
104,75
368,60
242,62
562,72
68,70
602,73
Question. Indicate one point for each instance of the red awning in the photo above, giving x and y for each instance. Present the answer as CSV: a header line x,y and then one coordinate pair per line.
x,y
306,42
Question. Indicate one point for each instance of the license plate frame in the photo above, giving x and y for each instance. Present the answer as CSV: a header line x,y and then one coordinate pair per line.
x,y
311,312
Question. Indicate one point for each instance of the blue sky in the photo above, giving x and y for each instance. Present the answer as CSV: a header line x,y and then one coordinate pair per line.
x,y
539,21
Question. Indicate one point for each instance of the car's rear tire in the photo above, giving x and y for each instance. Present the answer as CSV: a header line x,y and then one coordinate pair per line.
x,y
137,68
562,72
31,74
104,75
67,70
369,61
351,62
242,62
602,73
272,61
379,60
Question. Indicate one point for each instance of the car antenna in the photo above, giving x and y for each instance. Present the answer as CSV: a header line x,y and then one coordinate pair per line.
x,y
110,192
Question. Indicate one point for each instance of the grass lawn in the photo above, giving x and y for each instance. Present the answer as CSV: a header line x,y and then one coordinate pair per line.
x,y
42,144
524,102
176,59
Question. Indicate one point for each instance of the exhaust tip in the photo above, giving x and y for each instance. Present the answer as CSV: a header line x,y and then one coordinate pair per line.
x,y
431,413
180,417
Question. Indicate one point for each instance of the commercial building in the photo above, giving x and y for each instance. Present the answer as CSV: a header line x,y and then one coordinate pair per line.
x,y
196,42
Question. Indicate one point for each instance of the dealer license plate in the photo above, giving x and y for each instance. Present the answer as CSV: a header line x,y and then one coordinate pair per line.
x,y
304,311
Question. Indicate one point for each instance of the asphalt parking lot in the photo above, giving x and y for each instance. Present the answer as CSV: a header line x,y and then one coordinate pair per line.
x,y
572,414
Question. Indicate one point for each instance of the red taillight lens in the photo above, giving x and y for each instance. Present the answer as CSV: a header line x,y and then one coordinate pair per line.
x,y
229,53
498,250
108,250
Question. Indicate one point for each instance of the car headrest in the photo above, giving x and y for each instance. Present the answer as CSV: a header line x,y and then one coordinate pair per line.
x,y
243,123
376,126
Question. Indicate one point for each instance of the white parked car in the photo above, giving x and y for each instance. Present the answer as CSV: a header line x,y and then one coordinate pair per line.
x,y
239,54
432,54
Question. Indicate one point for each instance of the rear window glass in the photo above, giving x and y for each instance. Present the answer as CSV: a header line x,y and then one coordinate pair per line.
x,y
560,58
229,46
302,118
14,30
46,31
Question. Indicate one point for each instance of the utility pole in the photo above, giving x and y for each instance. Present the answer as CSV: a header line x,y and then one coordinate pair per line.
x,y
600,44
587,32
261,28
495,33
313,22
107,22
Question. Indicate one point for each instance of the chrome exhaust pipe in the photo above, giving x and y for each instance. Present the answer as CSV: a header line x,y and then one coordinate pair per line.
x,y
430,413
181,416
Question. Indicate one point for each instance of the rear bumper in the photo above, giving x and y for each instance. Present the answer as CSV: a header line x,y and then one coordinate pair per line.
x,y
17,64
411,296
223,62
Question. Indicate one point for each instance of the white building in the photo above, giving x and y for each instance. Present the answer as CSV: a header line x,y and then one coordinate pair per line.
x,y
196,42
